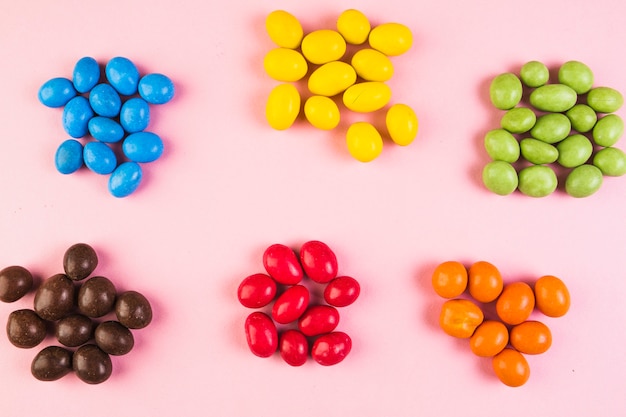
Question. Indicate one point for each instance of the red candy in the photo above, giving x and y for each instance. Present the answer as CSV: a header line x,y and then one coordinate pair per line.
x,y
294,348
331,348
261,334
256,291
282,264
319,320
291,304
342,291
318,261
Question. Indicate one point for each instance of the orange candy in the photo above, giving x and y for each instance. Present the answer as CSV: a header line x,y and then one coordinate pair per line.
x,y
489,338
459,318
449,279
511,367
515,303
552,296
531,337
485,282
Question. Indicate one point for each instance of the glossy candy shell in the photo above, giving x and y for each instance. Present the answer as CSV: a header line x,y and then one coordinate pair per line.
x,y
318,320
282,264
256,291
135,115
143,147
318,261
69,156
293,347
105,129
331,348
156,88
56,92
105,101
291,304
76,115
261,334
342,291
99,158
86,74
123,75
125,179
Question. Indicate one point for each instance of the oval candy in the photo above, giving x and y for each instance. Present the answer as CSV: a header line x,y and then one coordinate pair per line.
x,y
256,291
99,158
54,298
156,88
372,65
291,304
553,98
284,29
322,112
605,99
323,46
69,156
318,320
611,161
505,91
331,78
261,334
364,142
105,129
342,291
354,26
105,101
293,347
318,261
143,147
125,179
331,348
15,282
56,92
367,96
391,39
282,106
122,75
76,115
135,115
282,264
86,74
402,124
51,363
284,64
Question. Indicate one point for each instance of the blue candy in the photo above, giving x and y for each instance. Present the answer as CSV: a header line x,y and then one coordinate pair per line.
x,y
56,92
86,74
135,115
125,179
76,116
105,101
142,147
123,75
105,129
69,156
156,88
99,158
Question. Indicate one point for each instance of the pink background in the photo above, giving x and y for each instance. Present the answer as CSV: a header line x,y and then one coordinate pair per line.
x,y
228,186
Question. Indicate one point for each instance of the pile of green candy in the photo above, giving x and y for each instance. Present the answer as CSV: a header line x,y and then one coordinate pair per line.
x,y
569,127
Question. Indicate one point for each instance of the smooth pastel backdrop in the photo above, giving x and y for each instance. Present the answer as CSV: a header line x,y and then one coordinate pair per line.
x,y
228,186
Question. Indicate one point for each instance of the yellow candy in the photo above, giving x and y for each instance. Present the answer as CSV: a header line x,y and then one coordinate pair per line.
x,y
391,38
353,26
331,78
283,106
372,65
322,46
284,29
367,96
322,112
401,124
364,142
283,64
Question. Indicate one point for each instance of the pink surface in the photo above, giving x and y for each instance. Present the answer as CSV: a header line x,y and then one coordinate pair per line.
x,y
228,186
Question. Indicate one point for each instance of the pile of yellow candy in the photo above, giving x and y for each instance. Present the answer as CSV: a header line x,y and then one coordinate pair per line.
x,y
361,82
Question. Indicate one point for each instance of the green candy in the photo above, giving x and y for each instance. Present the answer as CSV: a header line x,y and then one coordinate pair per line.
x,y
505,91
518,120
551,127
537,181
611,161
583,181
534,74
608,130
553,97
575,150
582,117
500,177
501,145
605,99
576,75
538,152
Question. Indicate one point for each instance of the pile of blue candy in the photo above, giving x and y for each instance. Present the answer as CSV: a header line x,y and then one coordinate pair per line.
x,y
114,111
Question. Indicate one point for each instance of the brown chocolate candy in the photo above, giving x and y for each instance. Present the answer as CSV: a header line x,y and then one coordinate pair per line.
x,y
114,338
51,363
25,329
79,261
54,298
74,330
15,282
96,297
133,310
91,364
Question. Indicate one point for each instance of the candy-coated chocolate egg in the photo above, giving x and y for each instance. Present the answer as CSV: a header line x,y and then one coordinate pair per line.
x,y
372,65
256,291
342,291
91,364
354,26
135,115
79,260
331,348
54,298
113,338
96,297
318,261
484,281
105,129
15,282
293,347
322,112
391,38
318,320
460,318
489,338
367,96
74,330
123,75
449,279
284,29
133,310
99,158
531,337
105,101
25,329
322,46
283,64
331,79
261,334
69,156
364,142
51,363
402,125
56,92
552,297
125,179
142,147
282,264
511,367
156,88
515,303
86,74
291,304
282,106
76,115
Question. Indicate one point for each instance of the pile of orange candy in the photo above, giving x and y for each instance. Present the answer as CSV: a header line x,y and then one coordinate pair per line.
x,y
510,336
